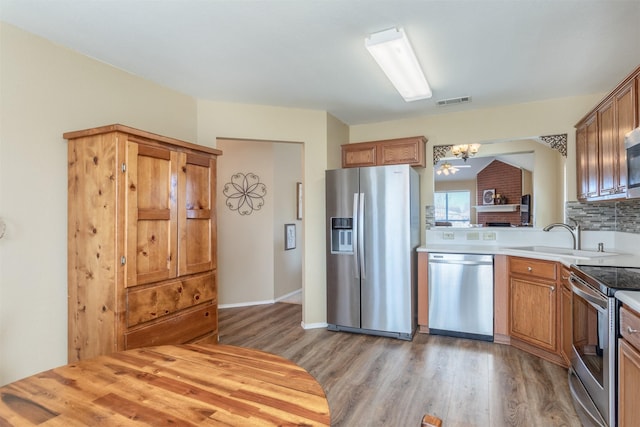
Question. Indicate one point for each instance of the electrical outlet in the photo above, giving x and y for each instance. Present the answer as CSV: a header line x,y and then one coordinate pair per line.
x,y
489,235
448,235
474,235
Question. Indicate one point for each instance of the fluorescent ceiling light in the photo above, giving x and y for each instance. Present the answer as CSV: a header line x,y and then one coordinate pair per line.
x,y
393,53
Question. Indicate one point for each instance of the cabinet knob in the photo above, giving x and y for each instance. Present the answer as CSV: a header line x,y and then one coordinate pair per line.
x,y
553,288
529,269
631,330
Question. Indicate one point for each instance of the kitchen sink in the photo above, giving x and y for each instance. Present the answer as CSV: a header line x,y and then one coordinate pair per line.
x,y
565,252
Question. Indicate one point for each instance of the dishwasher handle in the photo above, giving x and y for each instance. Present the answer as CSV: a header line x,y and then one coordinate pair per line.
x,y
457,262
457,259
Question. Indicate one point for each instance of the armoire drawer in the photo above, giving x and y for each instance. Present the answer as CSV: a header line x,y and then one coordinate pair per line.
x,y
146,303
181,328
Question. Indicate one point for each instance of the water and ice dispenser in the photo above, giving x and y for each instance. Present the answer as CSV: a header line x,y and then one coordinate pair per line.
x,y
341,235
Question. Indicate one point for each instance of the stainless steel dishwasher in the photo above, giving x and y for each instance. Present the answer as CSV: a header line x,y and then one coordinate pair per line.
x,y
461,295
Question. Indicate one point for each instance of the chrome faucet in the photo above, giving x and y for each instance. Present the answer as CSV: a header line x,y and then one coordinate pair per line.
x,y
573,229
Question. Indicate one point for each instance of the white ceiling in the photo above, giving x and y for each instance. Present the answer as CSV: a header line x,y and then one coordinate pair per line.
x,y
310,53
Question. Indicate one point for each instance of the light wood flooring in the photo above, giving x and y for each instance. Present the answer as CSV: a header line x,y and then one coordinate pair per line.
x,y
376,381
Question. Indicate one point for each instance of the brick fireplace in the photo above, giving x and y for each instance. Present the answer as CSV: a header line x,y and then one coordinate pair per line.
x,y
506,180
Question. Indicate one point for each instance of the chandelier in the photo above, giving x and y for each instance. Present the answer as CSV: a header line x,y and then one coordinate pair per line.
x,y
447,168
464,151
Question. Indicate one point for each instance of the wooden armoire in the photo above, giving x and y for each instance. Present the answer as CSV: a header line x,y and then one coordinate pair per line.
x,y
141,241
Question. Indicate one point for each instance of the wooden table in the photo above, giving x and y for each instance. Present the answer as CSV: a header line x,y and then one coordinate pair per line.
x,y
177,385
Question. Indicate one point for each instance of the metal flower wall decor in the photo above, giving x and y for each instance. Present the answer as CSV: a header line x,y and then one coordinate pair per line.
x,y
245,193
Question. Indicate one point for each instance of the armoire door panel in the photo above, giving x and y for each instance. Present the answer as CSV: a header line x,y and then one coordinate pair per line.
x,y
151,214
196,214
199,254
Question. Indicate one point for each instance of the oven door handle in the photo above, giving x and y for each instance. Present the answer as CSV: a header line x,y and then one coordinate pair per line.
x,y
587,293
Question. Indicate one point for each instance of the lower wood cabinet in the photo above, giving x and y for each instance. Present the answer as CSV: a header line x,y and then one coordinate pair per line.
x,y
629,368
533,312
535,307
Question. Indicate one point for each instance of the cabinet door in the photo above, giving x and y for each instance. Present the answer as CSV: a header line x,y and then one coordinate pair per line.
x,y
533,312
608,150
151,214
582,163
404,151
625,122
628,380
196,213
592,157
357,155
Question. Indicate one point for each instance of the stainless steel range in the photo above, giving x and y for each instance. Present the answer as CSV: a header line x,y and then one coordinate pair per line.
x,y
593,373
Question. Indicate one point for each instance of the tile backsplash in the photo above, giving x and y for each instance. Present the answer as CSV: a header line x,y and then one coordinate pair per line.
x,y
621,216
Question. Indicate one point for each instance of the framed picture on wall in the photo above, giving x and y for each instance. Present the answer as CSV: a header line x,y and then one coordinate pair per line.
x,y
488,197
289,236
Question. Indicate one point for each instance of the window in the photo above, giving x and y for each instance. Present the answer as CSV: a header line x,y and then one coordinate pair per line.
x,y
453,207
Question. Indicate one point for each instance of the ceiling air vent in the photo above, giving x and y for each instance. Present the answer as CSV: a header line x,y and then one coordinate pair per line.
x,y
452,101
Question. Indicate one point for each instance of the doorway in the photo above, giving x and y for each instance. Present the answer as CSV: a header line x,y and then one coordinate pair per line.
x,y
257,205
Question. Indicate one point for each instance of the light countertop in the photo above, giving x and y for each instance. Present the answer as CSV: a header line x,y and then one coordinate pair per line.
x,y
630,298
619,260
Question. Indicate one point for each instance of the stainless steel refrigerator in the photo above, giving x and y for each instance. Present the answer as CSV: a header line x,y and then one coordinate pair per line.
x,y
373,229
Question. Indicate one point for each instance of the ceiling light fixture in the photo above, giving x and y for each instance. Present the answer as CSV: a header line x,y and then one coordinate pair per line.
x,y
393,53
464,151
447,168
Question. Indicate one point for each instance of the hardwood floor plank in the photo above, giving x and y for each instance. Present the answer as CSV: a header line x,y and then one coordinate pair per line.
x,y
376,381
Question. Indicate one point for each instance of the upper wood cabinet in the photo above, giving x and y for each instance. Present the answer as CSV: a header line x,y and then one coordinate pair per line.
x,y
600,153
387,152
142,241
587,157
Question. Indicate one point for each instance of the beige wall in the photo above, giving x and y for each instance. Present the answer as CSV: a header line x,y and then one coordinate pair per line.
x,y
527,181
337,134
245,242
287,274
224,120
45,91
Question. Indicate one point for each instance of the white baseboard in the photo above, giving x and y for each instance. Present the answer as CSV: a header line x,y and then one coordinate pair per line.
x,y
246,304
313,325
271,301
289,295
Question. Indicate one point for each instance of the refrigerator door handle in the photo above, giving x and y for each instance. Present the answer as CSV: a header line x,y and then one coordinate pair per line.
x,y
363,270
356,236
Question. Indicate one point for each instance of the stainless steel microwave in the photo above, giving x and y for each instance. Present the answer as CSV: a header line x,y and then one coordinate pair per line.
x,y
632,145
